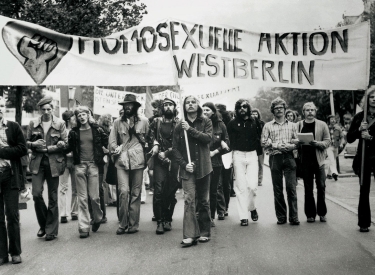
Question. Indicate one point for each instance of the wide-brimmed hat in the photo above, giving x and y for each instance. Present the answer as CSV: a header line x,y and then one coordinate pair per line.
x,y
129,98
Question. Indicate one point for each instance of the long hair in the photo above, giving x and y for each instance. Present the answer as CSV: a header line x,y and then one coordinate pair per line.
x,y
277,101
199,111
258,112
370,91
158,104
216,116
237,107
134,113
104,122
289,111
83,109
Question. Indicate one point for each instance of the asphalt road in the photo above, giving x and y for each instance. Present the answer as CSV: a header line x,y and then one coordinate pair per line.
x,y
335,247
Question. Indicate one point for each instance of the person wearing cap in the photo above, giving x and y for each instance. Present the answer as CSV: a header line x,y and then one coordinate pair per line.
x,y
160,136
64,209
195,175
87,141
127,145
47,164
313,156
337,143
12,181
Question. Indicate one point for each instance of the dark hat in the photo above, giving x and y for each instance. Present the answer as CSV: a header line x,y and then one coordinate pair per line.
x,y
210,105
129,98
67,115
169,100
45,100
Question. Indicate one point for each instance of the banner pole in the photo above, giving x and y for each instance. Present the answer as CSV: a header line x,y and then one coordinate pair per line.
x,y
363,141
183,118
332,103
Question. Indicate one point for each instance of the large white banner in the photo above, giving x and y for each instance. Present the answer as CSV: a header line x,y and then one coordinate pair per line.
x,y
173,52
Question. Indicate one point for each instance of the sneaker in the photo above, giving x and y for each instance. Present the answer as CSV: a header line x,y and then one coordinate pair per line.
x,y
212,223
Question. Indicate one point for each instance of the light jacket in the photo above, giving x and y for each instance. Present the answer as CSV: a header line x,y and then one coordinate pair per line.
x,y
57,132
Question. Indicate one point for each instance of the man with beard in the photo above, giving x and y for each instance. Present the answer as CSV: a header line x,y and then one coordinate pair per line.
x,y
244,136
313,156
160,136
127,142
277,138
87,141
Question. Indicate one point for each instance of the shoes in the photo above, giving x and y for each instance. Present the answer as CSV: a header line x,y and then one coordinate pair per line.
x,y
132,231
91,222
167,226
104,220
244,222
212,223
254,215
323,219
83,235
143,202
203,239
295,222
63,220
41,233
329,177
50,237
226,213
281,221
160,228
334,176
153,219
311,219
260,184
221,217
188,242
121,231
74,218
4,260
95,226
16,259
364,229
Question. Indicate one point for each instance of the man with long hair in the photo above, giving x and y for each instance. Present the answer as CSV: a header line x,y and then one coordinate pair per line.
x,y
277,137
160,136
126,143
195,175
244,135
86,141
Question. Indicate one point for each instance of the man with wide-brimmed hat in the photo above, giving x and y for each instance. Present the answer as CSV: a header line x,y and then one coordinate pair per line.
x,y
126,143
47,163
160,137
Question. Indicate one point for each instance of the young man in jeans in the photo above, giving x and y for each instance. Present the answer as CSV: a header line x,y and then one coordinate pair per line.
x,y
87,141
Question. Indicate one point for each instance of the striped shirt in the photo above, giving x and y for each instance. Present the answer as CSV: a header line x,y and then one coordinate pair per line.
x,y
275,133
3,142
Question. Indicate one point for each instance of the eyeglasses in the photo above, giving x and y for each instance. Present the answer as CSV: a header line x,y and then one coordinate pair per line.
x,y
243,106
278,108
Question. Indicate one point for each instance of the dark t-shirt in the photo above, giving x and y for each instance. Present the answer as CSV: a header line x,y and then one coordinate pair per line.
x,y
166,133
308,152
87,145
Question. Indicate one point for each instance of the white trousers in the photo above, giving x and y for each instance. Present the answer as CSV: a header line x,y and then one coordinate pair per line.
x,y
245,185
332,153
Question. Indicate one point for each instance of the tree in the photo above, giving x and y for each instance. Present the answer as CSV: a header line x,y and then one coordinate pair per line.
x,y
91,18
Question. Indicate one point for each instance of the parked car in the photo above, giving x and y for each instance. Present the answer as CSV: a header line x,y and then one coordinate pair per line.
x,y
351,149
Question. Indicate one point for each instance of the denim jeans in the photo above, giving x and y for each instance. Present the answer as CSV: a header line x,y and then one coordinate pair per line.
x,y
284,164
87,179
196,189
245,166
64,208
165,187
309,171
217,201
129,182
48,219
9,231
101,198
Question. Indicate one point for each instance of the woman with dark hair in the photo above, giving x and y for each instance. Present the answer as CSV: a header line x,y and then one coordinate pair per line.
x,y
364,131
70,122
218,145
290,115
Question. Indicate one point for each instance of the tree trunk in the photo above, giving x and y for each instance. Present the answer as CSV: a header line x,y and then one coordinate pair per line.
x,y
18,103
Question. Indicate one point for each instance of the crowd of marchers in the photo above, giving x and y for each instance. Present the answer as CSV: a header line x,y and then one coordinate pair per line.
x,y
172,153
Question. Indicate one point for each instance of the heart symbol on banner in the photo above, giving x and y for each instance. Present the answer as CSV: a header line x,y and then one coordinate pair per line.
x,y
38,49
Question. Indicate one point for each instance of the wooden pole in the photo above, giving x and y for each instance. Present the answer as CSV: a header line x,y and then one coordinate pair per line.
x,y
363,141
183,118
332,103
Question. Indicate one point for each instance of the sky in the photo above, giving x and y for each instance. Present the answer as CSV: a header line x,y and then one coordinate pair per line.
x,y
252,15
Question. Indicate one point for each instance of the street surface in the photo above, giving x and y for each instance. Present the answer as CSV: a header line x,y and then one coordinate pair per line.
x,y
335,247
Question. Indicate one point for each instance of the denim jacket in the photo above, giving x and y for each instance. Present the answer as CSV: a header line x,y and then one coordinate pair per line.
x,y
57,132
